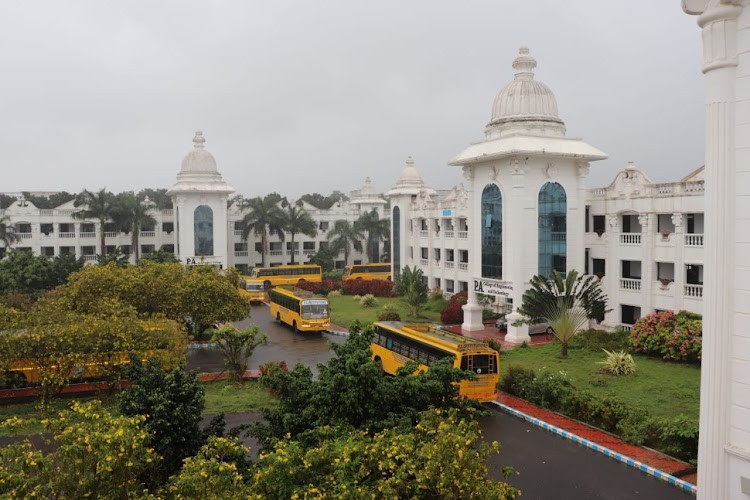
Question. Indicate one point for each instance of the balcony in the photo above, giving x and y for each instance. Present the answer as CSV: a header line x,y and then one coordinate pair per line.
x,y
66,235
449,264
626,327
449,234
463,266
275,252
695,291
463,235
88,235
289,252
89,258
241,253
423,262
308,251
23,236
111,234
630,238
148,234
693,240
423,234
436,263
631,284
238,232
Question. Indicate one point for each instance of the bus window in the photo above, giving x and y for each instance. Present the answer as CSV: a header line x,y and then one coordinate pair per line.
x,y
315,309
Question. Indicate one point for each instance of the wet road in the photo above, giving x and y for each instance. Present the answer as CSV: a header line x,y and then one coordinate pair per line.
x,y
283,345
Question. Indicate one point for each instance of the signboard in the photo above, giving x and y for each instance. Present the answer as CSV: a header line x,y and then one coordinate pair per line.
x,y
203,261
489,286
447,213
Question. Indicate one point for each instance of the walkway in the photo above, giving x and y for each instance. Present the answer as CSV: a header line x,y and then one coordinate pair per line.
x,y
490,332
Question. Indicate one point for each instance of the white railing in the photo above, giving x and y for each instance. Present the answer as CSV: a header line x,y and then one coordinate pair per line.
x,y
626,327
694,187
448,264
630,238
275,252
436,263
89,257
111,234
598,192
66,235
693,290
167,211
664,189
423,262
240,253
463,266
88,235
23,236
148,234
308,252
423,234
238,232
463,235
46,211
630,284
693,240
289,252
449,234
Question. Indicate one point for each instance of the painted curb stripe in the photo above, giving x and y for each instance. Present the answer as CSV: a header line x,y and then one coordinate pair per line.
x,y
197,346
674,481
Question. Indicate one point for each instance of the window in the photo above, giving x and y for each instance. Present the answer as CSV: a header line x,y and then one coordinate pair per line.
x,y
67,228
437,283
552,229
449,286
464,286
308,245
340,264
111,249
88,250
323,226
599,224
449,255
203,228
46,229
437,254
126,250
48,251
396,222
599,267
67,250
631,269
240,247
259,247
629,314
168,227
168,248
463,256
665,272
588,218
424,252
357,262
147,249
492,232
87,227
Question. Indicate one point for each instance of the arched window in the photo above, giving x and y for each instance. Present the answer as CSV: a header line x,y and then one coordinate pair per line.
x,y
492,232
203,229
396,260
553,208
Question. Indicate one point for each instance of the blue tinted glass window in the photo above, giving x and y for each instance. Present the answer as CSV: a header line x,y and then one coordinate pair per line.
x,y
553,208
203,228
492,232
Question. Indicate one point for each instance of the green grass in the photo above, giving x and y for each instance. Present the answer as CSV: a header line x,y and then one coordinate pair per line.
x,y
224,397
663,389
345,310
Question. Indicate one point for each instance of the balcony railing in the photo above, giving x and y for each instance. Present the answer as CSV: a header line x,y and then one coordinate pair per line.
x,y
630,284
449,264
275,252
23,236
448,234
436,263
88,235
167,211
66,235
423,234
693,240
289,252
238,232
463,235
89,258
626,327
111,234
148,234
308,251
423,262
240,253
694,291
630,238
463,266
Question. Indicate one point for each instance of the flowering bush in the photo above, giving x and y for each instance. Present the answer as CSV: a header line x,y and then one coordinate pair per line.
x,y
674,337
452,314
322,288
378,288
368,300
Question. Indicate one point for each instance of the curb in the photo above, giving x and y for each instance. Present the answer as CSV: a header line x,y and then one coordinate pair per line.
x,y
197,346
630,462
338,333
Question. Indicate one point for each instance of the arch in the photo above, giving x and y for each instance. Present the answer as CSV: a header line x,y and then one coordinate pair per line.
x,y
492,232
203,230
396,258
553,214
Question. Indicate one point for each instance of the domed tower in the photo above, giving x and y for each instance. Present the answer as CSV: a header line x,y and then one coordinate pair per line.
x,y
200,209
527,193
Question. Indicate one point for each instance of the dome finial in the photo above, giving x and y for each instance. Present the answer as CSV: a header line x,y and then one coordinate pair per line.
x,y
198,140
524,64
409,161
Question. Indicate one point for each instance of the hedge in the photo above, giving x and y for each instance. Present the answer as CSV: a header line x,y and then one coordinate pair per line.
x,y
673,337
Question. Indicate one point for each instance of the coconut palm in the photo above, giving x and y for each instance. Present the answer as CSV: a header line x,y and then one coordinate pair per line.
x,y
131,214
263,218
99,206
295,219
567,303
376,229
7,237
345,236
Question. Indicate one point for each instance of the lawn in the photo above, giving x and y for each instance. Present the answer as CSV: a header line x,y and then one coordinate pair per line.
x,y
662,388
345,310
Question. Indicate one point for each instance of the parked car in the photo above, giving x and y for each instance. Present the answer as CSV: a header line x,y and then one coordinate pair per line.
x,y
537,326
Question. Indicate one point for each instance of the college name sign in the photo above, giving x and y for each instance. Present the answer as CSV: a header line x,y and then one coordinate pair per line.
x,y
202,261
493,287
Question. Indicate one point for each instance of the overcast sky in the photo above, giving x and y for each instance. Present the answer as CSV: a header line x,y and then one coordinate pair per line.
x,y
305,96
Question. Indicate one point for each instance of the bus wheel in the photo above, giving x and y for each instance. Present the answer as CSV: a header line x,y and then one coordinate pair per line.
x,y
294,327
278,317
267,285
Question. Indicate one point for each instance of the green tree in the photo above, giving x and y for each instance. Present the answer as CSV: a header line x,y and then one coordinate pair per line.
x,y
160,255
295,220
376,229
131,214
7,237
411,284
263,218
24,272
6,200
158,197
324,257
324,202
345,237
97,206
237,347
567,303
49,202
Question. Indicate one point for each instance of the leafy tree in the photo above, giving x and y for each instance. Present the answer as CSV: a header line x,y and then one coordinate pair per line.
x,y
345,236
565,302
295,220
97,455
376,229
49,202
8,238
6,200
263,218
131,215
323,202
441,457
237,347
117,258
160,255
172,402
158,197
99,206
209,298
412,285
324,257
24,272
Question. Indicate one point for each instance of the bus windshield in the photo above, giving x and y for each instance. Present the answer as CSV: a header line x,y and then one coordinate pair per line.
x,y
314,309
254,287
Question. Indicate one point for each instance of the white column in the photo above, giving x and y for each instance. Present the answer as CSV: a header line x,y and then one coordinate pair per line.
x,y
647,264
613,269
679,261
515,237
472,309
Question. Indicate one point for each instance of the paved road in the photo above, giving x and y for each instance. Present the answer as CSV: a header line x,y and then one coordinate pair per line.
x,y
283,345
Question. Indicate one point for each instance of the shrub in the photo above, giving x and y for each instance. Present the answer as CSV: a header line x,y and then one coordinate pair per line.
x,y
368,300
673,337
334,293
494,344
237,347
389,313
378,288
595,340
436,293
357,298
323,288
618,363
269,372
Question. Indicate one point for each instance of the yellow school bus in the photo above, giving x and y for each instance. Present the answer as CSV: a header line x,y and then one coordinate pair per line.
x,y
372,271
253,289
303,314
395,343
287,275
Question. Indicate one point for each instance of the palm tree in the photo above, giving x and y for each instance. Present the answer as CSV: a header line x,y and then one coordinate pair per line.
x,y
376,229
295,219
7,237
131,214
99,206
263,218
567,303
343,236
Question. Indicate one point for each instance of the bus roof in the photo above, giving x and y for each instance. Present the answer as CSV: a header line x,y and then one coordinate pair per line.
x,y
287,266
297,293
436,335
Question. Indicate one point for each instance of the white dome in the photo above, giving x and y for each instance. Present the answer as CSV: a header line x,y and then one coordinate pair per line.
x,y
409,176
525,100
199,160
